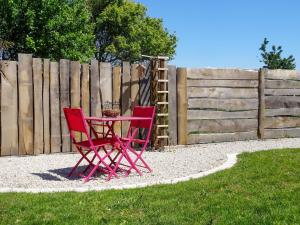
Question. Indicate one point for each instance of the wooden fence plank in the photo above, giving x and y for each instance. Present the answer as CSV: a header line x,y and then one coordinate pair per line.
x,y
117,71
85,89
223,104
282,84
282,122
134,85
282,133
96,109
283,75
221,137
125,96
209,114
222,74
46,105
9,109
277,102
64,68
282,92
145,82
223,83
106,82
222,93
222,126
283,112
38,106
54,108
182,103
172,99
262,103
25,104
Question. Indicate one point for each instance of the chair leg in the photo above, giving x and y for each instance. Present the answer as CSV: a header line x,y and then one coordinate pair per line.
x,y
77,164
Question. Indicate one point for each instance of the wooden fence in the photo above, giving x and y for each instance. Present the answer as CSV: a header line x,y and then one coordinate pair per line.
x,y
34,91
218,105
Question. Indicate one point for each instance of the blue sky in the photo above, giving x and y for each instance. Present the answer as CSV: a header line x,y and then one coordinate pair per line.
x,y
228,33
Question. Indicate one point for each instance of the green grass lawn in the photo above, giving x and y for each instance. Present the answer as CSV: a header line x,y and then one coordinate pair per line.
x,y
263,188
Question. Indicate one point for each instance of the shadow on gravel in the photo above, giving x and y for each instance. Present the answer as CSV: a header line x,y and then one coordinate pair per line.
x,y
47,176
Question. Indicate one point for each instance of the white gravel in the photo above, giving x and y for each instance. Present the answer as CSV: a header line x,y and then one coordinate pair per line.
x,y
45,173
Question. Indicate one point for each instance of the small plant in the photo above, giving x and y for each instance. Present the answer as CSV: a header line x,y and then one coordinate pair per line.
x,y
273,59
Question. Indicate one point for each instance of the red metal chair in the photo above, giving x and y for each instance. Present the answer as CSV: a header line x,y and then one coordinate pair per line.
x,y
133,137
77,124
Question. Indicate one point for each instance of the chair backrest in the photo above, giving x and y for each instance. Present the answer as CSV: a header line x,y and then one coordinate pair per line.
x,y
143,111
75,121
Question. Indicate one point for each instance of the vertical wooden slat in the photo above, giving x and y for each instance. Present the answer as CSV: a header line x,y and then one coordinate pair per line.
x,y
9,109
134,86
85,89
54,108
125,96
64,69
106,82
38,106
182,105
25,104
95,89
145,81
172,98
75,88
117,94
46,105
262,104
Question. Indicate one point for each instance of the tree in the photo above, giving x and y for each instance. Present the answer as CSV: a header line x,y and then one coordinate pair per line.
x,y
273,59
47,28
124,32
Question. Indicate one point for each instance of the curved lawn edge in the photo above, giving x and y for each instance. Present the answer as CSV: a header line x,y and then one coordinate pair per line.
x,y
231,161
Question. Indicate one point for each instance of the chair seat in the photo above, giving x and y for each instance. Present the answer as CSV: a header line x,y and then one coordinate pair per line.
x,y
139,141
96,142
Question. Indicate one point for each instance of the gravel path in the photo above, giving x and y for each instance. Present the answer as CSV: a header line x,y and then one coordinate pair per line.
x,y
48,172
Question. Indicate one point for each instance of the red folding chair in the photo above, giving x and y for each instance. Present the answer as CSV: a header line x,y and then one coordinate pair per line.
x,y
76,123
133,137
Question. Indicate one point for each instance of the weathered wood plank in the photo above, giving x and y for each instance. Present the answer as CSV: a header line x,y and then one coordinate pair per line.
x,y
222,74
106,82
223,83
277,102
46,105
221,137
283,112
25,104
282,122
262,103
282,84
283,75
210,114
75,89
223,104
85,89
182,105
222,93
117,71
145,82
282,92
125,96
134,85
96,109
38,106
172,98
222,126
54,108
64,67
282,133
9,109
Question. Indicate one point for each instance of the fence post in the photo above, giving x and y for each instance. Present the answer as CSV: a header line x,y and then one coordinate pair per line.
x,y
182,104
262,104
172,123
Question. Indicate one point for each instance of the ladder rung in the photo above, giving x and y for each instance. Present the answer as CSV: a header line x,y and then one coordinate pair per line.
x,y
162,103
163,81
162,126
162,92
162,69
162,114
162,137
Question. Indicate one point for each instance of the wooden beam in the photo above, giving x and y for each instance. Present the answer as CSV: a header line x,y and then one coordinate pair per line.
x,y
182,104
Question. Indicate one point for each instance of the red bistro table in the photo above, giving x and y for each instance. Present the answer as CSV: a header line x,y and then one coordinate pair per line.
x,y
116,140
